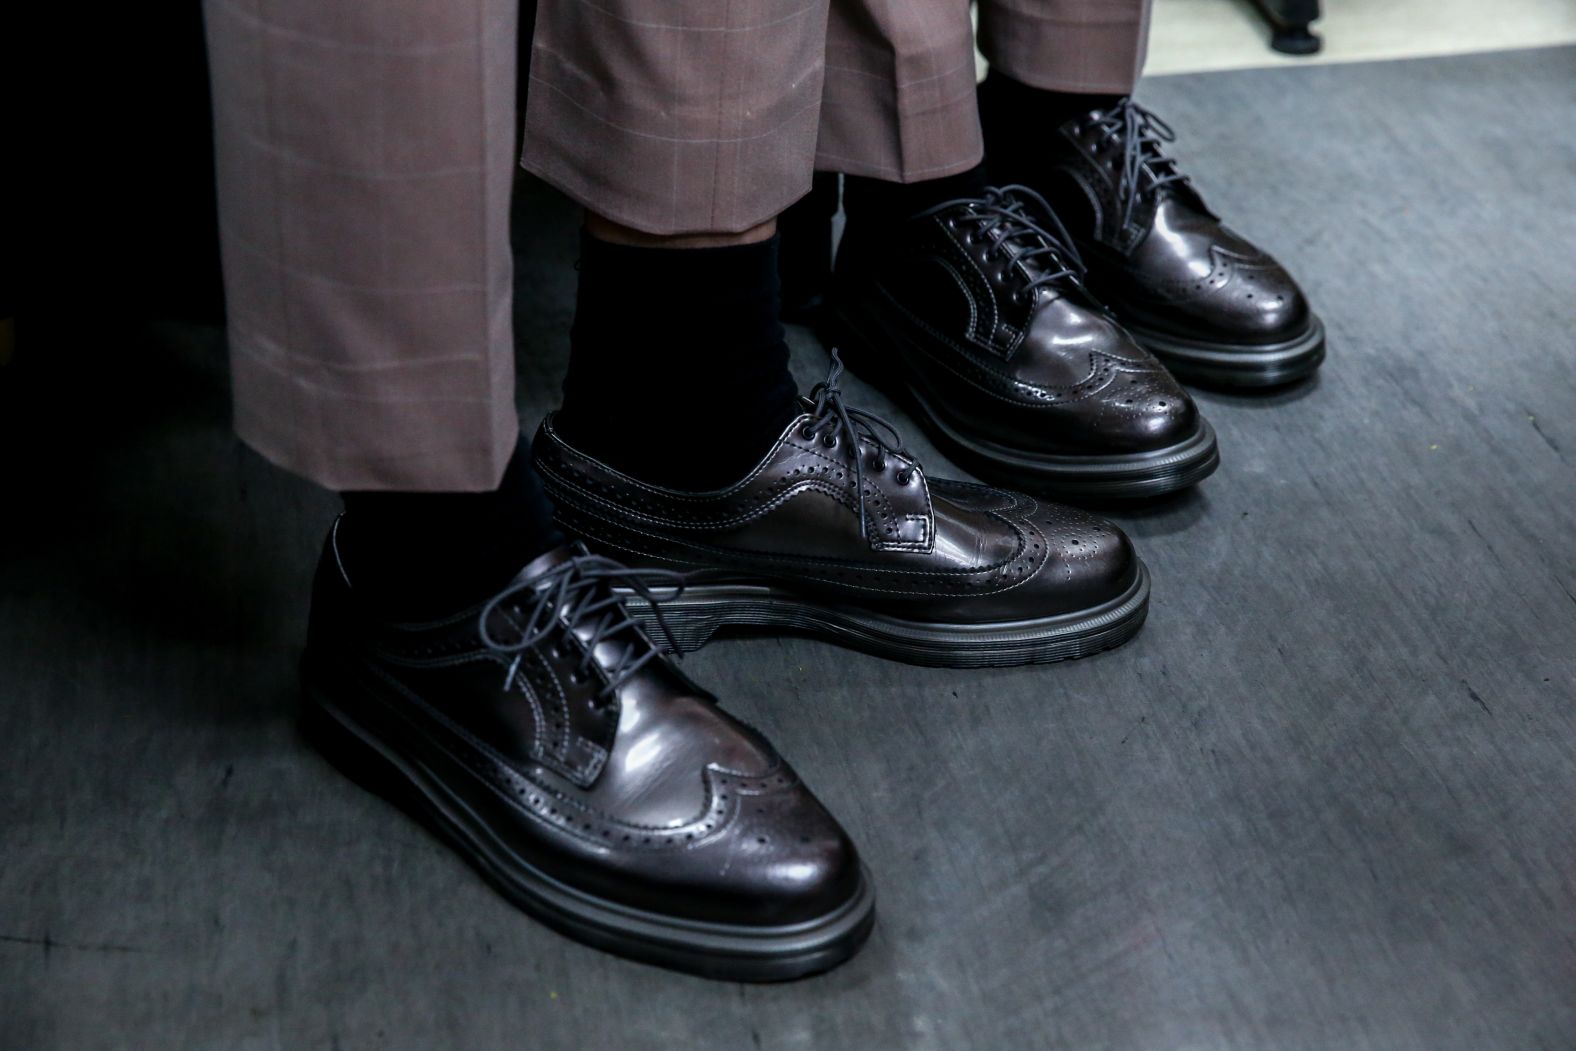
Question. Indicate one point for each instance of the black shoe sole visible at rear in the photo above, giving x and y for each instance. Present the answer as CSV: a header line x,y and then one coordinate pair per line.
x,y
712,950
1118,476
702,611
1231,365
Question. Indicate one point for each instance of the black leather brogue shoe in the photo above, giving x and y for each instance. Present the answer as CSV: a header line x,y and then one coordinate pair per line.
x,y
838,532
973,315
547,740
1208,302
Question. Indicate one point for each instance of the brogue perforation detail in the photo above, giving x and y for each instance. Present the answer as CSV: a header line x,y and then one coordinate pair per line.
x,y
1102,368
739,506
1096,174
725,791
1229,268
609,531
988,323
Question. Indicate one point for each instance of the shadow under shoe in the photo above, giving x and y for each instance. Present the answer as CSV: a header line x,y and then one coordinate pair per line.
x,y
550,744
837,532
973,315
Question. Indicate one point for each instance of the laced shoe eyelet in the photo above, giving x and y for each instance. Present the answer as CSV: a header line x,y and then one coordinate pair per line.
x,y
829,440
877,463
905,476
806,433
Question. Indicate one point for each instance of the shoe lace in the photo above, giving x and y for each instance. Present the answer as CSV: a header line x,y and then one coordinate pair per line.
x,y
1145,167
1036,238
581,587
833,420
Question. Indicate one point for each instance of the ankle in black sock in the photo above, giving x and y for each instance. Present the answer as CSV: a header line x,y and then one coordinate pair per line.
x,y
877,202
422,556
1011,107
678,371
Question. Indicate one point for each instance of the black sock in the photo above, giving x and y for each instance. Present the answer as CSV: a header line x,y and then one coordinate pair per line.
x,y
421,556
877,202
678,372
804,248
1011,107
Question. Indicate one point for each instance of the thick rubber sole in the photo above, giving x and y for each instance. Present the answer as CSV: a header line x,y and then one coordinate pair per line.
x,y
1131,476
1210,364
1120,476
711,950
703,611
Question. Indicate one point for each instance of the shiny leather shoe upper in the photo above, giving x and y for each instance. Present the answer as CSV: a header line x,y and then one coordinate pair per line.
x,y
997,335
1156,253
551,717
837,511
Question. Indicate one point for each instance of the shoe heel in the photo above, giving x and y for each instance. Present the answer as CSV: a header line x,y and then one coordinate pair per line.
x,y
349,753
690,628
695,631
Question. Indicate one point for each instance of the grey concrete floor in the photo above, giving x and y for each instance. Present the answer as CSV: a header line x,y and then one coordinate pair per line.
x,y
1324,801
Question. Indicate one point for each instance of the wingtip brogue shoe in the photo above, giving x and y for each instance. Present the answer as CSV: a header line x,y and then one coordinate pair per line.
x,y
1211,304
974,316
838,532
545,738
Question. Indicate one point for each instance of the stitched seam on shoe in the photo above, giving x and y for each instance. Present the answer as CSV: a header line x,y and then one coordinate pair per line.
x,y
850,502
968,356
997,315
1018,499
487,752
1095,198
957,249
1226,264
1090,382
794,489
806,566
1034,571
622,515
558,748
1125,238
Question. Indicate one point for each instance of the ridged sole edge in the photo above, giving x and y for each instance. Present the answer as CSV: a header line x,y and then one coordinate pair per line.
x,y
1138,476
710,950
704,611
1241,366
